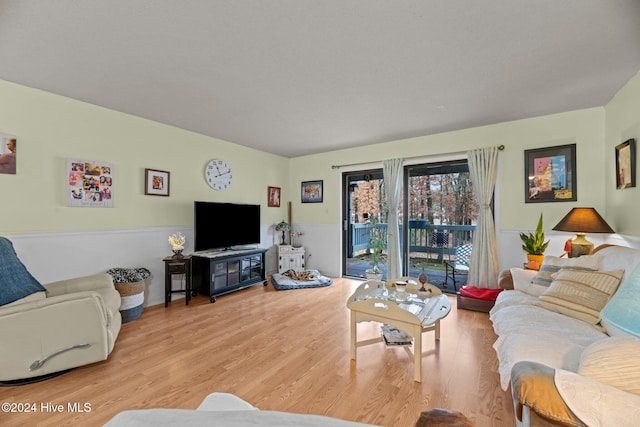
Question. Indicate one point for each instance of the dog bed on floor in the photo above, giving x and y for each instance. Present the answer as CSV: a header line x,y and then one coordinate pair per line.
x,y
282,282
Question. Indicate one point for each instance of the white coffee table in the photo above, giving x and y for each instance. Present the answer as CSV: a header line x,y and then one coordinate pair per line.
x,y
374,302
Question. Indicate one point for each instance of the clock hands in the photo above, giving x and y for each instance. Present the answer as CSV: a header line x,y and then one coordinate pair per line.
x,y
218,174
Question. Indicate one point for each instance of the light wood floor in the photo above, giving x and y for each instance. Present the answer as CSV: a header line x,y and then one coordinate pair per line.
x,y
278,350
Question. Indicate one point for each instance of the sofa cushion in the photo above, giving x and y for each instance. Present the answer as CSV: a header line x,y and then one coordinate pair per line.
x,y
523,282
534,345
15,281
615,362
553,264
531,317
619,257
581,294
527,332
509,297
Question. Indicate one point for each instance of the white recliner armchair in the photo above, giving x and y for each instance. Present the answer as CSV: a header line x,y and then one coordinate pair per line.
x,y
49,329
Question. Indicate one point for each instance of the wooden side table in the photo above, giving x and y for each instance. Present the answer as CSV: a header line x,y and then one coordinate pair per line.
x,y
177,266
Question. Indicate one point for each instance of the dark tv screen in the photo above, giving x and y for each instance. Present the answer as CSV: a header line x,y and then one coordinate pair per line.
x,y
225,225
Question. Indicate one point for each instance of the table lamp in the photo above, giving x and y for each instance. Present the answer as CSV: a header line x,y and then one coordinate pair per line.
x,y
582,221
177,241
282,226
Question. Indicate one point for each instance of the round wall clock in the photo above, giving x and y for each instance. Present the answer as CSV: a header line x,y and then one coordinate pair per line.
x,y
218,174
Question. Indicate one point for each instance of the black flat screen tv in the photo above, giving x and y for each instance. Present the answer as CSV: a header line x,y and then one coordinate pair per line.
x,y
221,226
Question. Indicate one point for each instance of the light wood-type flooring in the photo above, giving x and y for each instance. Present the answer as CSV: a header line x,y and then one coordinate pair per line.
x,y
278,350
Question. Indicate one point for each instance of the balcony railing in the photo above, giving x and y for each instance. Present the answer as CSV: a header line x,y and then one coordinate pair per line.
x,y
440,240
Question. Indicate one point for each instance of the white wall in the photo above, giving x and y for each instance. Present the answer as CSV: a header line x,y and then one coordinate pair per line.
x,y
56,241
51,129
585,128
623,123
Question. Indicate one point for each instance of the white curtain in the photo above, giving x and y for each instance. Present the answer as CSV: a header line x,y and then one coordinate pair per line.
x,y
483,168
392,174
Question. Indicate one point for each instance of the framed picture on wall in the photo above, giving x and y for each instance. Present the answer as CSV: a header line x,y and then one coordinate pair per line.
x,y
626,164
550,174
312,192
8,149
273,197
156,182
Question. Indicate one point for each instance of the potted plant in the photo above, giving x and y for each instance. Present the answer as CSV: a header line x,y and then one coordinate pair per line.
x,y
376,245
534,245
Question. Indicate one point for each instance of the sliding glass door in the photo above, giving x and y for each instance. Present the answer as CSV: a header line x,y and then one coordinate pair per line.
x,y
364,200
438,207
441,211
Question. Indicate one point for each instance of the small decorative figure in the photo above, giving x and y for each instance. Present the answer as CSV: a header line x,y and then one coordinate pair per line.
x,y
423,292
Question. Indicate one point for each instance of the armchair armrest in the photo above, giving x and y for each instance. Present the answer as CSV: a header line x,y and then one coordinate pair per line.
x,y
533,386
53,303
87,283
37,330
505,280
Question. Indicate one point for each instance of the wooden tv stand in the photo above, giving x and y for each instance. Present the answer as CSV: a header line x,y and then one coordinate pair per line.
x,y
220,272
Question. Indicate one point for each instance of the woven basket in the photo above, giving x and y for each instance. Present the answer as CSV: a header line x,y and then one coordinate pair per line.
x,y
128,289
132,298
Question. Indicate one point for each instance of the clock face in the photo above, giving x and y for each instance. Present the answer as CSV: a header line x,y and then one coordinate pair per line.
x,y
218,174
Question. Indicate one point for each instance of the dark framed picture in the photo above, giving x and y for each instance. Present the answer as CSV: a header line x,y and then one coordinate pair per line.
x,y
550,174
626,164
156,182
312,192
273,197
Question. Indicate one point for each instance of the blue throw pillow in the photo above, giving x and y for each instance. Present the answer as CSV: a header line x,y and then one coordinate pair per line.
x,y
15,281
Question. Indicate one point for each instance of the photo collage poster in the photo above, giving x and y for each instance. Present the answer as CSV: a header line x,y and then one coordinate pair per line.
x,y
89,184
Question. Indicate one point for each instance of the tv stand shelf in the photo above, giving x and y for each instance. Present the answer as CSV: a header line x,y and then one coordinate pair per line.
x,y
227,271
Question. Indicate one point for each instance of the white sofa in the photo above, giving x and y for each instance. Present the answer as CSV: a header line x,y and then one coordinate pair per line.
x,y
563,369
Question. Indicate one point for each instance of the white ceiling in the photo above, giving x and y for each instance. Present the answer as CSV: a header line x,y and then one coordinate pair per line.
x,y
296,77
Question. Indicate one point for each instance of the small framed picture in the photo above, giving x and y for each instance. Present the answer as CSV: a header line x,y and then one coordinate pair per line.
x,y
156,182
626,164
312,192
550,174
8,147
273,197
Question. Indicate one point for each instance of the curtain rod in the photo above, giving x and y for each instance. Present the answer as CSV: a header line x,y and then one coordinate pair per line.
x,y
500,147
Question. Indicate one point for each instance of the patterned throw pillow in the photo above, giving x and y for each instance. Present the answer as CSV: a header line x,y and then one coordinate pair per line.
x,y
581,294
553,264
